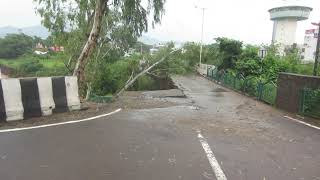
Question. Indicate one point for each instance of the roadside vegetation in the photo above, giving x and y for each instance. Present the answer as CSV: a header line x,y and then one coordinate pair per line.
x,y
17,54
109,68
31,65
242,59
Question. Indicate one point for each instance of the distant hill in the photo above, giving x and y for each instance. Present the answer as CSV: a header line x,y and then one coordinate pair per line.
x,y
38,31
43,33
153,41
148,40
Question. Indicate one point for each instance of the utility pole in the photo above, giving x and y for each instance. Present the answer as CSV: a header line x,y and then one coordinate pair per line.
x,y
200,61
316,61
202,25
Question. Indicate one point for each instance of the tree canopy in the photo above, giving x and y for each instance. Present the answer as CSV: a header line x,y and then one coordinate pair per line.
x,y
90,23
15,45
229,50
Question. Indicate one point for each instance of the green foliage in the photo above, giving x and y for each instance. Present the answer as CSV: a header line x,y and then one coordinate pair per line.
x,y
181,62
273,64
230,51
15,45
211,54
246,74
245,61
108,76
249,63
123,21
33,65
58,15
145,83
310,100
112,72
30,67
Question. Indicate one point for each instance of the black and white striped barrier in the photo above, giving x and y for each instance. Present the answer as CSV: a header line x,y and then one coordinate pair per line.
x,y
34,97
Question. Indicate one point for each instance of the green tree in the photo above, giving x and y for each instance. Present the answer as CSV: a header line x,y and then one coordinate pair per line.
x,y
212,54
91,17
15,45
229,51
249,63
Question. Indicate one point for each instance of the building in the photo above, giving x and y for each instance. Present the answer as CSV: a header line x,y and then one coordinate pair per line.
x,y
285,24
56,48
156,48
310,45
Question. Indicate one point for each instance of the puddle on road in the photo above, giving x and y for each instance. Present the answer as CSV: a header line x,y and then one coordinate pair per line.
x,y
219,90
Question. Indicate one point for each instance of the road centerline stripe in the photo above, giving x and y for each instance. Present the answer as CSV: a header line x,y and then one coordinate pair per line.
x,y
212,159
61,123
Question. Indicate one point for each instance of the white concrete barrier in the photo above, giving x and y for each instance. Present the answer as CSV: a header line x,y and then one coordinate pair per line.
x,y
12,99
33,97
72,93
46,95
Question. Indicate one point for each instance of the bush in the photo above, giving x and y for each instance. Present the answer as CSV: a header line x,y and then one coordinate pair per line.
x,y
110,77
311,101
29,68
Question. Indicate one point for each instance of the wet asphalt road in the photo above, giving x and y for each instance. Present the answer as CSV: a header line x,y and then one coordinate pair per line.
x,y
250,140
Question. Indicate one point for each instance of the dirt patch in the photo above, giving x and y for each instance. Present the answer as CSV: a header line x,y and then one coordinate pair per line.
x,y
129,100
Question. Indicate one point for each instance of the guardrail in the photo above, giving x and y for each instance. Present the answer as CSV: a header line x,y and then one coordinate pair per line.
x,y
309,104
263,91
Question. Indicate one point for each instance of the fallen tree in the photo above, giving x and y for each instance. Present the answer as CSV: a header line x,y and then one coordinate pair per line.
x,y
131,80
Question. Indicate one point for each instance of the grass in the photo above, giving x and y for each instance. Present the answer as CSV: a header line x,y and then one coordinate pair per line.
x,y
53,65
53,61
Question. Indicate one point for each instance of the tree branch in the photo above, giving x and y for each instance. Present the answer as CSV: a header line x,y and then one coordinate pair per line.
x,y
155,76
130,83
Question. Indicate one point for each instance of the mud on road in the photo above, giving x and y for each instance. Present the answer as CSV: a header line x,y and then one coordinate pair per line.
x,y
129,100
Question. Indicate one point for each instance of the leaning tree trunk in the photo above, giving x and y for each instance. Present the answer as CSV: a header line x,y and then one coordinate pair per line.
x,y
132,80
91,42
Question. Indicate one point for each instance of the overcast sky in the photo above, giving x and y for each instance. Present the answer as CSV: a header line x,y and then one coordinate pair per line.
x,y
245,20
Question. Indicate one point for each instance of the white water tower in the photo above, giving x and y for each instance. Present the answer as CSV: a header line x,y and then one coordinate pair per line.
x,y
285,23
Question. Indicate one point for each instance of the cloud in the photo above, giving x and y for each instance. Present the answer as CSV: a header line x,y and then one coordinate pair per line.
x,y
246,20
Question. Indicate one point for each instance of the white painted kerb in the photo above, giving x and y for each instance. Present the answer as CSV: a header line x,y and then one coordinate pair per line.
x,y
59,124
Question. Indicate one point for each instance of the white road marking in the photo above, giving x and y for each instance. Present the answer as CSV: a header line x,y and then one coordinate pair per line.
x,y
59,124
301,122
212,160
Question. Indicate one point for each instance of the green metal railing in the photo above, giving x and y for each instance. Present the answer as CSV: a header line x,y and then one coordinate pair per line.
x,y
268,93
264,91
310,102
